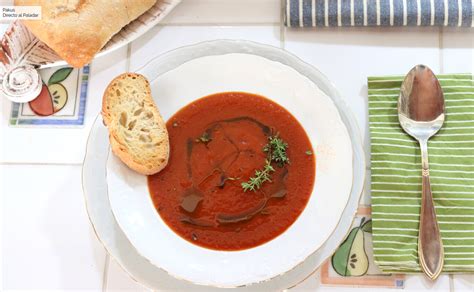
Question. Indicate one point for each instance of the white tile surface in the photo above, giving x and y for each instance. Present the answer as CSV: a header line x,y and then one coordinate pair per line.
x,y
60,145
225,12
463,283
415,283
412,284
162,39
3,28
457,47
348,56
48,242
119,280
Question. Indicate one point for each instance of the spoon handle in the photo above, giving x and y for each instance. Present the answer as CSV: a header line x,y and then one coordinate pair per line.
x,y
430,246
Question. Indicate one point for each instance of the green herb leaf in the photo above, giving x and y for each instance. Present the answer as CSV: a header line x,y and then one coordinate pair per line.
x,y
309,152
261,176
205,138
60,75
276,150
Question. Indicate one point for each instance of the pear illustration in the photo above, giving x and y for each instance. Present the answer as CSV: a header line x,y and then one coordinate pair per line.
x,y
350,259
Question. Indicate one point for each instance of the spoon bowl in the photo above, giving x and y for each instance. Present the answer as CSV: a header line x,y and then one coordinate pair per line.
x,y
421,103
421,113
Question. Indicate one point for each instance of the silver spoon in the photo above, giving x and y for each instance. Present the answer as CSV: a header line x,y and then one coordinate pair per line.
x,y
421,115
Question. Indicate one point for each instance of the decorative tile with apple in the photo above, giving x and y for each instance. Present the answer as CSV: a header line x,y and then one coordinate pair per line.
x,y
61,102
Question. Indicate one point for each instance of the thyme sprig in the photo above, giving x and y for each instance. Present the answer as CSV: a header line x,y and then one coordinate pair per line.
x,y
277,148
276,152
261,176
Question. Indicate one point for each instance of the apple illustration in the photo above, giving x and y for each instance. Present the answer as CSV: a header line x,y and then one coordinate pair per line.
x,y
53,97
42,105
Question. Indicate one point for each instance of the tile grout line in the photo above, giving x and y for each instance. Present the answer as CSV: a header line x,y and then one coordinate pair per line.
x,y
451,282
219,24
472,52
282,24
441,50
105,276
41,163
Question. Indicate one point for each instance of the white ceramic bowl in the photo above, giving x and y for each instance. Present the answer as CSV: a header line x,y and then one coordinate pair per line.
x,y
180,77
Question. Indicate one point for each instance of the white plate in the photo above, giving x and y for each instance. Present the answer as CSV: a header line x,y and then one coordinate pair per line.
x,y
118,246
186,74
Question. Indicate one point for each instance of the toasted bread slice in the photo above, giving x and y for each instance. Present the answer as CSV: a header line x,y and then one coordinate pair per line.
x,y
137,132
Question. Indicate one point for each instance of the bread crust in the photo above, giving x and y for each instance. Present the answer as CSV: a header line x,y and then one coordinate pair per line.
x,y
155,164
76,30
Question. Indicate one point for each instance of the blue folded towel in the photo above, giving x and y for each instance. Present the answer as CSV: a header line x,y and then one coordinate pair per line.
x,y
307,13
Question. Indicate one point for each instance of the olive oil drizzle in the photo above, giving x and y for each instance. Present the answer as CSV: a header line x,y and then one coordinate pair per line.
x,y
192,197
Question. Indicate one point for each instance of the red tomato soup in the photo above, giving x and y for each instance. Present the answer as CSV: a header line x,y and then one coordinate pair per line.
x,y
217,143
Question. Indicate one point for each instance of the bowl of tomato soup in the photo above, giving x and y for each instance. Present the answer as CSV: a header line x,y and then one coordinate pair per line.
x,y
260,168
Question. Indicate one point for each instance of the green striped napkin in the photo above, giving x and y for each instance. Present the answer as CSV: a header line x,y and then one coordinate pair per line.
x,y
396,177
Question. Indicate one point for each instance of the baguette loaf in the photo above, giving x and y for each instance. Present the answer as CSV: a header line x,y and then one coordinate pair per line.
x,y
137,132
77,29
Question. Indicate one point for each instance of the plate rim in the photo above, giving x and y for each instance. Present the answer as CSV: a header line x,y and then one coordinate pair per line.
x,y
346,116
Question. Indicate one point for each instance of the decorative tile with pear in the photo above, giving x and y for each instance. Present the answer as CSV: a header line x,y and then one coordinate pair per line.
x,y
353,262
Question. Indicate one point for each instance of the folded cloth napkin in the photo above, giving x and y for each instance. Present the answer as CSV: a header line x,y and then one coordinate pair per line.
x,y
396,177
306,13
